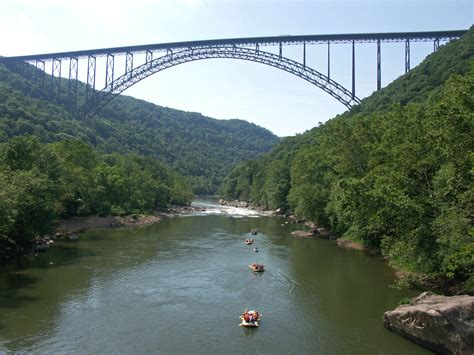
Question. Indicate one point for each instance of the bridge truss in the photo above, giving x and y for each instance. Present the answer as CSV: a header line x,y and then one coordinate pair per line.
x,y
158,57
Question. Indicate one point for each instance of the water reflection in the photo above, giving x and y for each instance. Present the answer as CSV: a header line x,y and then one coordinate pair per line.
x,y
180,286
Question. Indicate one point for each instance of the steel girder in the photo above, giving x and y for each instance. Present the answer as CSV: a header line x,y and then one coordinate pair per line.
x,y
143,71
253,42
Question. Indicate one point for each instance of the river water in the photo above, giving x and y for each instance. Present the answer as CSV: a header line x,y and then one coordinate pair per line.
x,y
178,287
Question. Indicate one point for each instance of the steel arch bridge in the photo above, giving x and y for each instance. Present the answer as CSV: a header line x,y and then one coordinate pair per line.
x,y
225,51
176,53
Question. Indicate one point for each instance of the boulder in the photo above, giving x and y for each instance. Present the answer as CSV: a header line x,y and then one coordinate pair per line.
x,y
348,244
302,234
242,204
443,324
324,233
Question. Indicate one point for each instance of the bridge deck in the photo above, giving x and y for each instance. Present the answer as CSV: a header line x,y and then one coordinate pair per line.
x,y
252,41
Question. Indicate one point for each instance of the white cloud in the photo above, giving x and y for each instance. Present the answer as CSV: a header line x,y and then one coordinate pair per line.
x,y
22,36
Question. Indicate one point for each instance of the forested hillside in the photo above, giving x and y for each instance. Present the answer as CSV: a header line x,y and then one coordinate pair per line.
x,y
40,183
202,148
396,173
419,83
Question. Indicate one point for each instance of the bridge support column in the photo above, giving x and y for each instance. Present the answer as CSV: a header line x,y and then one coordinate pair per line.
x,y
329,61
281,52
109,71
407,56
353,70
436,45
304,54
91,68
27,69
41,66
56,76
72,83
128,62
148,57
379,64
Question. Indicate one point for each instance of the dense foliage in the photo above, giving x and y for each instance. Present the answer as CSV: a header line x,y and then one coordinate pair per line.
x,y
419,83
42,182
202,148
397,178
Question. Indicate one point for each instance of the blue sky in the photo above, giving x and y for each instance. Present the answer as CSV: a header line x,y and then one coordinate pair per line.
x,y
227,89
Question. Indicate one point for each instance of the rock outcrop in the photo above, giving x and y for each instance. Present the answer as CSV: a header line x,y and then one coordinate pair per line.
x,y
443,324
235,203
348,244
245,204
302,233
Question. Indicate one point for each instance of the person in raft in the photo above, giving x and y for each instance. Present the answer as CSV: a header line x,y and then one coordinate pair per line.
x,y
245,315
250,317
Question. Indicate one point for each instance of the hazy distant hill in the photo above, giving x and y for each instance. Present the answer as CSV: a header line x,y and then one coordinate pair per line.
x,y
197,146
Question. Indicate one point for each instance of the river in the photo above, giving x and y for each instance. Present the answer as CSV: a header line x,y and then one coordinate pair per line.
x,y
178,287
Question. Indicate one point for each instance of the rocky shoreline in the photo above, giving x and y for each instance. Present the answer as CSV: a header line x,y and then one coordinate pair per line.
x,y
69,229
311,229
417,281
443,324
81,224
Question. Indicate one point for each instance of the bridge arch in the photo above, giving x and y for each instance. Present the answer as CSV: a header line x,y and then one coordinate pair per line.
x,y
190,54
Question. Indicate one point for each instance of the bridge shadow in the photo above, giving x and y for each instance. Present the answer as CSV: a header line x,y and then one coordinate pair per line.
x,y
11,285
54,257
16,279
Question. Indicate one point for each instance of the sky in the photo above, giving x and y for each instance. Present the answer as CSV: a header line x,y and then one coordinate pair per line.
x,y
229,88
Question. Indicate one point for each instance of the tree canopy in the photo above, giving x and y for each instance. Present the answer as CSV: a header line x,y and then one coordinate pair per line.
x,y
395,173
199,147
40,183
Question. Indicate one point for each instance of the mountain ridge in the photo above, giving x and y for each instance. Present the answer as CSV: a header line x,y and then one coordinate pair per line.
x,y
200,147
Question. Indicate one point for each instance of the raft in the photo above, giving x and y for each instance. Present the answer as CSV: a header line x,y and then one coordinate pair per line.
x,y
256,269
252,324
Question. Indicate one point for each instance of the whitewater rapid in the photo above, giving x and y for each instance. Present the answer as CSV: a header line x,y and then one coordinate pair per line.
x,y
210,208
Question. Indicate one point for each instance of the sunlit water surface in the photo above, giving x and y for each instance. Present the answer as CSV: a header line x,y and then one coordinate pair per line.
x,y
178,287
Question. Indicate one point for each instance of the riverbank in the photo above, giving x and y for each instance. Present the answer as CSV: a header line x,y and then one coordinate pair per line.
x,y
185,269
311,229
81,224
69,228
439,323
404,279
